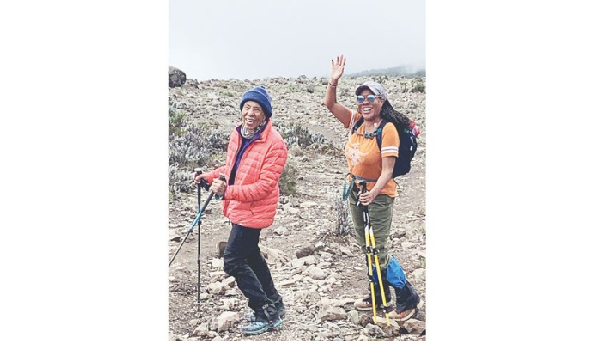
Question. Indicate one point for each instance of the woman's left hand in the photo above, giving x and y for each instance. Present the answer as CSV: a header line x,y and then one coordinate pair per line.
x,y
218,187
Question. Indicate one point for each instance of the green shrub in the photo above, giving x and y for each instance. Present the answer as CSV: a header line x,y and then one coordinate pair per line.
x,y
296,134
176,121
287,181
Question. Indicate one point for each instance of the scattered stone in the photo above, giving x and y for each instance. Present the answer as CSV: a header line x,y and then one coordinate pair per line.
x,y
353,316
346,251
229,281
407,245
326,256
230,303
307,204
305,251
225,320
216,288
221,249
419,274
374,330
331,313
282,231
286,283
310,260
217,263
316,272
399,233
414,326
201,330
297,263
319,246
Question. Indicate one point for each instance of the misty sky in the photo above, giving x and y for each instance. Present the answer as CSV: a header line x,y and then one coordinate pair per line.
x,y
257,39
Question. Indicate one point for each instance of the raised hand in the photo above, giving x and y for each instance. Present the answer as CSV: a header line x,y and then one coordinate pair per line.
x,y
337,67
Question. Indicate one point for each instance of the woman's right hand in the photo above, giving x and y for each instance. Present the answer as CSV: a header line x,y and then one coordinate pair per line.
x,y
337,68
198,178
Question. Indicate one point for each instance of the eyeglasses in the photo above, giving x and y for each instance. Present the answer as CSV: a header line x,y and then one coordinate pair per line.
x,y
370,98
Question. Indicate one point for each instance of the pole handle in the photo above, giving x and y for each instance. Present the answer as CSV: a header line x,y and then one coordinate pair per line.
x,y
203,183
363,189
222,178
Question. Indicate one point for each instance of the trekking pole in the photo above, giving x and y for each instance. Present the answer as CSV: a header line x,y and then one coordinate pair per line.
x,y
222,178
372,250
204,184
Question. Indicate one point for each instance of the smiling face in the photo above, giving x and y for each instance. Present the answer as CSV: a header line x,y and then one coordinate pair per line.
x,y
252,115
370,111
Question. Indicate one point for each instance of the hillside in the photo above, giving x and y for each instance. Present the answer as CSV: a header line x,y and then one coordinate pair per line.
x,y
319,287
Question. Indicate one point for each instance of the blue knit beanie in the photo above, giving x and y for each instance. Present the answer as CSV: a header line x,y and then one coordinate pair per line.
x,y
259,95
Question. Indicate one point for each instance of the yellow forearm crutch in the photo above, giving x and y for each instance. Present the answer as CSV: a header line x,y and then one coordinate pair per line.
x,y
372,251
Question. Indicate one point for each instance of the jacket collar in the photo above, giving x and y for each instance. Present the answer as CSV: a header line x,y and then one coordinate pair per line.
x,y
263,132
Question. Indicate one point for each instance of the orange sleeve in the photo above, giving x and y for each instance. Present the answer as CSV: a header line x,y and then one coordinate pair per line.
x,y
390,141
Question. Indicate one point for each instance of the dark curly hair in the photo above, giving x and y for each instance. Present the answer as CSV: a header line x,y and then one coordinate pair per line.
x,y
389,114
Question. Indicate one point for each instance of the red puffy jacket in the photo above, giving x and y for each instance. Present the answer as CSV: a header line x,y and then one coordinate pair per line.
x,y
253,198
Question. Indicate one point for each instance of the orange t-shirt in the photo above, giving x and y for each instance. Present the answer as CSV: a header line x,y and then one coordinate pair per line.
x,y
364,157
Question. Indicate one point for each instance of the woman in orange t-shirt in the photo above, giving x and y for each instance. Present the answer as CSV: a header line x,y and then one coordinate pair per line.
x,y
374,165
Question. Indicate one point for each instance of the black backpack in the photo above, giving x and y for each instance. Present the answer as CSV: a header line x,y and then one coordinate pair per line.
x,y
408,145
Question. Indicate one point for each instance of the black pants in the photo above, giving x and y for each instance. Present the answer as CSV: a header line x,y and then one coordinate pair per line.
x,y
244,262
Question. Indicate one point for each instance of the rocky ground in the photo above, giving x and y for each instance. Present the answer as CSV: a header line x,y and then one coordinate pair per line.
x,y
318,272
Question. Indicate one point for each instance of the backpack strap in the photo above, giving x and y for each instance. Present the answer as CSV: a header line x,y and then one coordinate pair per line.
x,y
380,132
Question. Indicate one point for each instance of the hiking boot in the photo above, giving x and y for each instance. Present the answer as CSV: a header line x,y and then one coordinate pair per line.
x,y
407,303
364,304
263,321
278,304
405,315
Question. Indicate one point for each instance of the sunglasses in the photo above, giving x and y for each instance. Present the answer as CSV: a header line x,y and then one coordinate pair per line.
x,y
370,98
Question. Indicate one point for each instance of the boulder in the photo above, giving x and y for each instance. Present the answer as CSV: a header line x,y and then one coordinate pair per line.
x,y
176,77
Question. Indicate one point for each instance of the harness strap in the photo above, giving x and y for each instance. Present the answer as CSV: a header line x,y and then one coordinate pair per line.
x,y
348,185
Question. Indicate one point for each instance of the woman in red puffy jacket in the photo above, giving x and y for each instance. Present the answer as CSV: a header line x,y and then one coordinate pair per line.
x,y
256,156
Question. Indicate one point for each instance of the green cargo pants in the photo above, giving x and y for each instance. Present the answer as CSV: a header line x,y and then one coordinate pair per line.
x,y
380,214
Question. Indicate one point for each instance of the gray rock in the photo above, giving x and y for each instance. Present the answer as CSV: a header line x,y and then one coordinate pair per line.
x,y
217,263
297,263
230,303
346,251
319,246
305,251
374,330
310,260
176,77
221,249
419,274
216,288
353,316
414,326
286,283
225,320
201,330
317,273
331,313
229,281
